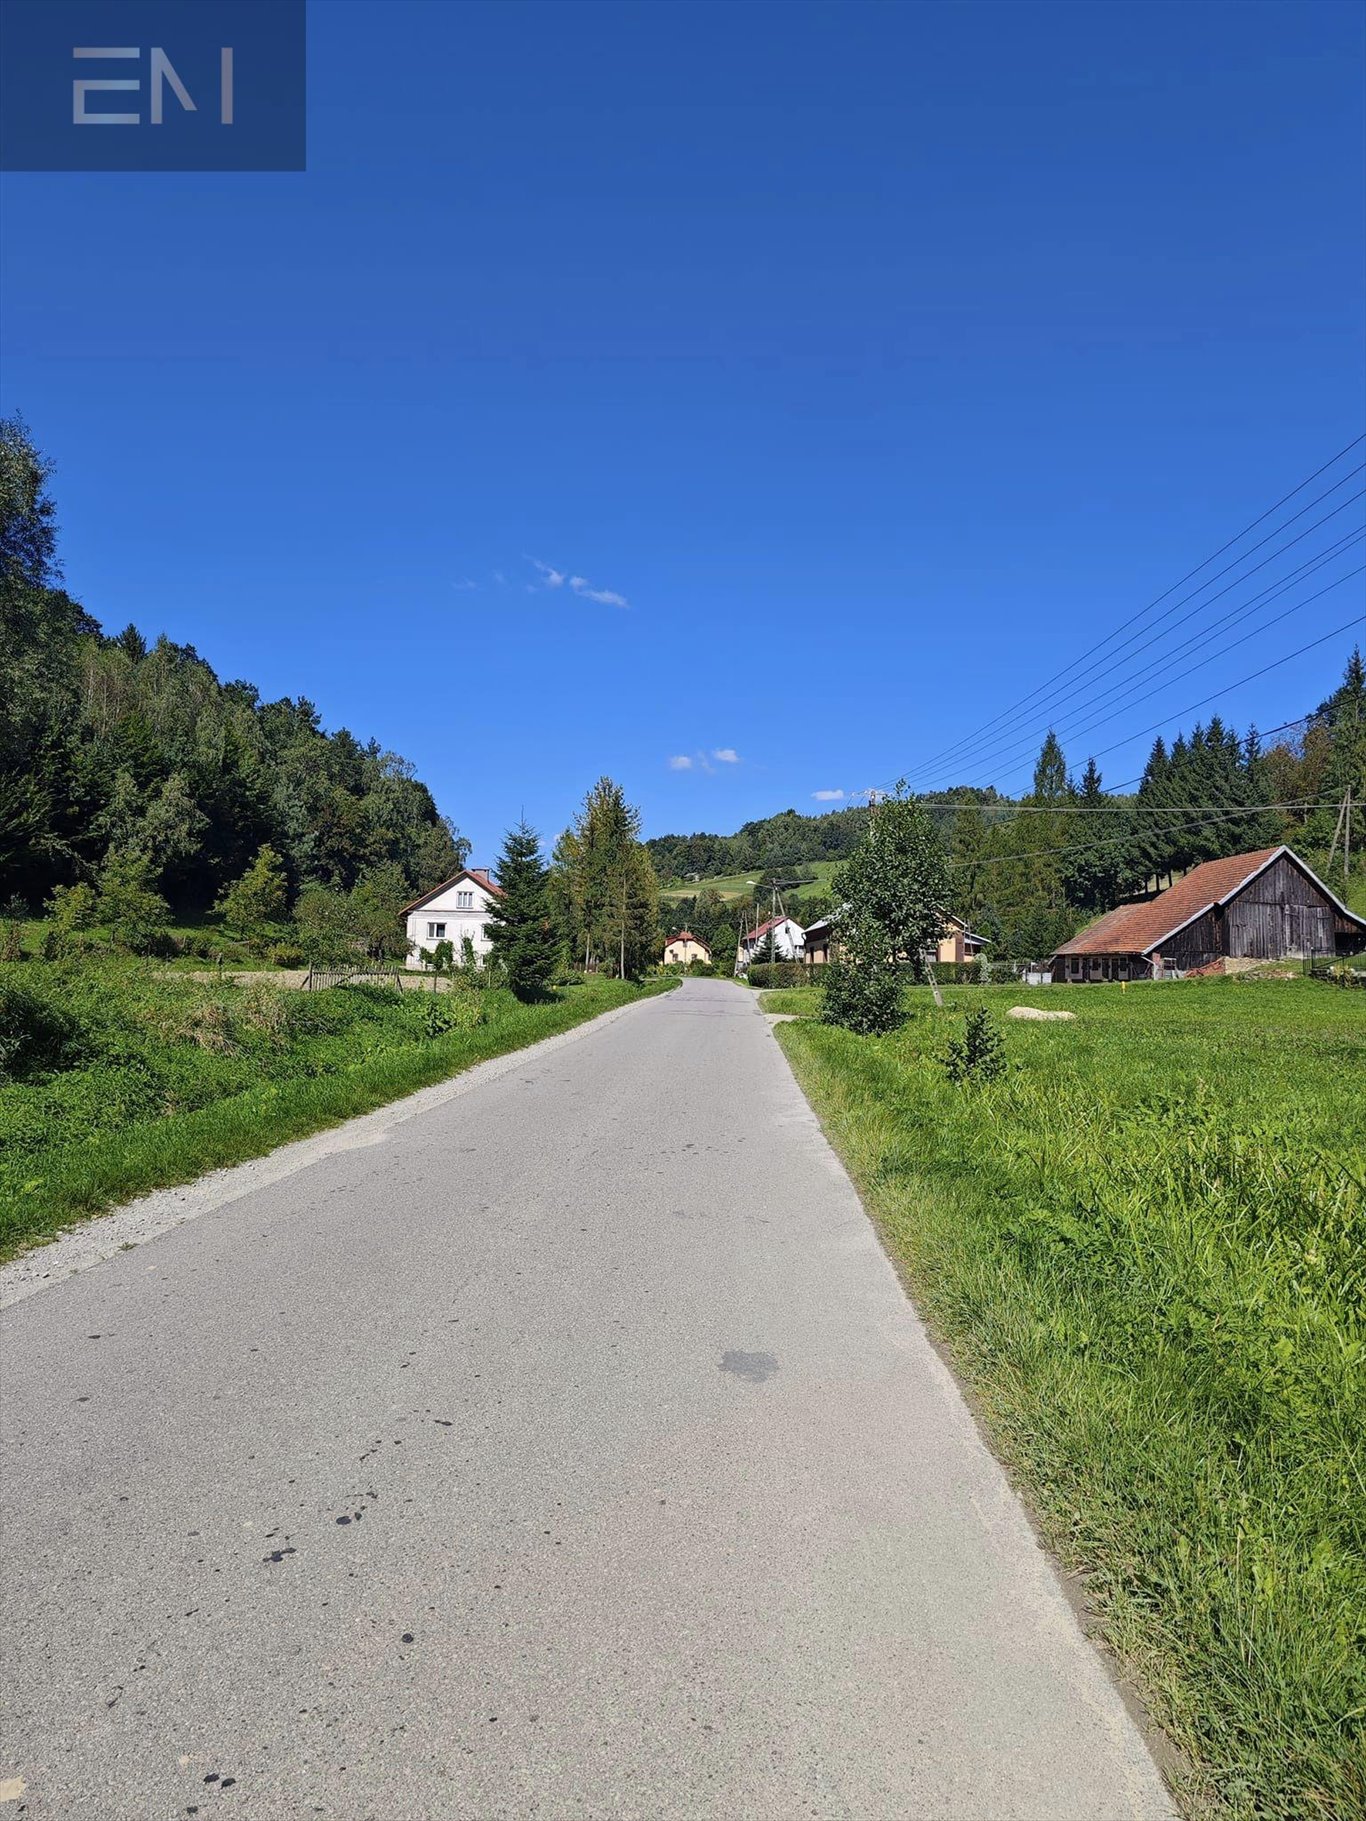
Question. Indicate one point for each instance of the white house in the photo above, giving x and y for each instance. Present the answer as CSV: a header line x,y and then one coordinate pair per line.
x,y
789,942
455,912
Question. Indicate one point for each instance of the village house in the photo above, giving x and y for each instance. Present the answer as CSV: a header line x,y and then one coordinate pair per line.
x,y
455,912
685,948
958,943
1263,906
789,942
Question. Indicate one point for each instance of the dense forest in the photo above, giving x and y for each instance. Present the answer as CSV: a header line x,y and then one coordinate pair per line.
x,y
130,768
1028,872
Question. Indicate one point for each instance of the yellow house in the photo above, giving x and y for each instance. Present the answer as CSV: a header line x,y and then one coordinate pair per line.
x,y
685,948
958,942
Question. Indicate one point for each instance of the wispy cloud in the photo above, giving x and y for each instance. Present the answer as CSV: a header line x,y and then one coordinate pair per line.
x,y
703,760
605,597
464,584
828,796
550,576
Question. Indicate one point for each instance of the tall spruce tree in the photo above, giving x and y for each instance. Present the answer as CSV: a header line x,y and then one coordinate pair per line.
x,y
1094,862
520,928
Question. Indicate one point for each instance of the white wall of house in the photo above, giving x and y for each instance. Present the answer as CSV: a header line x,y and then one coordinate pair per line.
x,y
457,911
789,942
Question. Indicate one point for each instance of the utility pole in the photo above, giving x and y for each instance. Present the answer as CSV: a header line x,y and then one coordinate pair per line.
x,y
1343,827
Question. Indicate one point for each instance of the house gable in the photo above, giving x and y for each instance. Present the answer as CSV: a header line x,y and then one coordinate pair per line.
x,y
445,897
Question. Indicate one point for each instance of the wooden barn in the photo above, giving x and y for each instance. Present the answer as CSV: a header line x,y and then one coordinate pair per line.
x,y
1262,906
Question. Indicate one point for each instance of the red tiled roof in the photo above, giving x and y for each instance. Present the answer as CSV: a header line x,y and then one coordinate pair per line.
x,y
480,875
1134,929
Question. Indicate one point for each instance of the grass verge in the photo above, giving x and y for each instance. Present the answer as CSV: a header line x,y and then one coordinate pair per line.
x,y
119,1078
1146,1251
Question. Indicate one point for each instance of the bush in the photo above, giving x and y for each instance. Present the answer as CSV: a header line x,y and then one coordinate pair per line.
x,y
136,914
864,999
979,1054
970,973
35,1034
785,973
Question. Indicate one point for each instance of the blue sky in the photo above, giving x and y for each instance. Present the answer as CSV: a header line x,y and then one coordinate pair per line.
x,y
864,364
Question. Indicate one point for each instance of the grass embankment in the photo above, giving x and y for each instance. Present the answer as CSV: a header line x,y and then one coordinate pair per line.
x,y
1146,1250
116,1078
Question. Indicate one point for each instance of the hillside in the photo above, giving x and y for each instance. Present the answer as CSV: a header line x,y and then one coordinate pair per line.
x,y
117,750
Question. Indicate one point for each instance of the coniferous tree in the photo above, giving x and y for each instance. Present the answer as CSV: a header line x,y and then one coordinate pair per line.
x,y
520,927
1094,867
604,888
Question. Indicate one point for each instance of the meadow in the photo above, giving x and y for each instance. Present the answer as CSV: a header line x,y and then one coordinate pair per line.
x,y
737,888
1144,1250
120,1076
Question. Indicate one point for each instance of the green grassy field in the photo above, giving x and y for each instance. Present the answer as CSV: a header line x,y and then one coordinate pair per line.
x,y
119,1077
1145,1249
740,887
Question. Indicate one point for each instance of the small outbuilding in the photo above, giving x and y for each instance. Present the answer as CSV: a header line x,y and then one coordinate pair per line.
x,y
685,948
1263,906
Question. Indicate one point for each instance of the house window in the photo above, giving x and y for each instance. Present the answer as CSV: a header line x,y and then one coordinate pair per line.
x,y
436,932
464,900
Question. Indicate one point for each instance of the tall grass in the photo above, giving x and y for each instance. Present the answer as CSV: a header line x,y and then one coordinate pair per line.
x,y
1146,1249
116,1077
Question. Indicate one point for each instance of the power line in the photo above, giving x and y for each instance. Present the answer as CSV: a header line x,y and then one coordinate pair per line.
x,y
1118,809
993,754
1047,853
1176,713
1009,759
1030,698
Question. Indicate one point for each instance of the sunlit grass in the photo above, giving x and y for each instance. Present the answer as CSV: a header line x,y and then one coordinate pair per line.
x,y
1146,1249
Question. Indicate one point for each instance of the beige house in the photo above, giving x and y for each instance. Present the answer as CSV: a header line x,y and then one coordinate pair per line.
x,y
685,948
958,942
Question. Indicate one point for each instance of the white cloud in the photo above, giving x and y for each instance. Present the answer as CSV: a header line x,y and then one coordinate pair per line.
x,y
550,576
680,762
605,597
828,796
500,578
726,755
466,583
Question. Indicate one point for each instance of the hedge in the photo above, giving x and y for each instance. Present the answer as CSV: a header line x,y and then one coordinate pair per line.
x,y
785,973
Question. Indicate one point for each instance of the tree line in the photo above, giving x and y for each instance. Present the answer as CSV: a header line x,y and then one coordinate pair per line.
x,y
138,790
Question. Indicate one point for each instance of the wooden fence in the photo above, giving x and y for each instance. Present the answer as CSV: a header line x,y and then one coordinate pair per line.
x,y
318,979
1339,973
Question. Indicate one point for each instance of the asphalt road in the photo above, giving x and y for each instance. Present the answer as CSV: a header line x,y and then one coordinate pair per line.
x,y
566,1449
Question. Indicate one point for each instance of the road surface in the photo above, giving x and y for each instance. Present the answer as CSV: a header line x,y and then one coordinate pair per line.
x,y
566,1449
